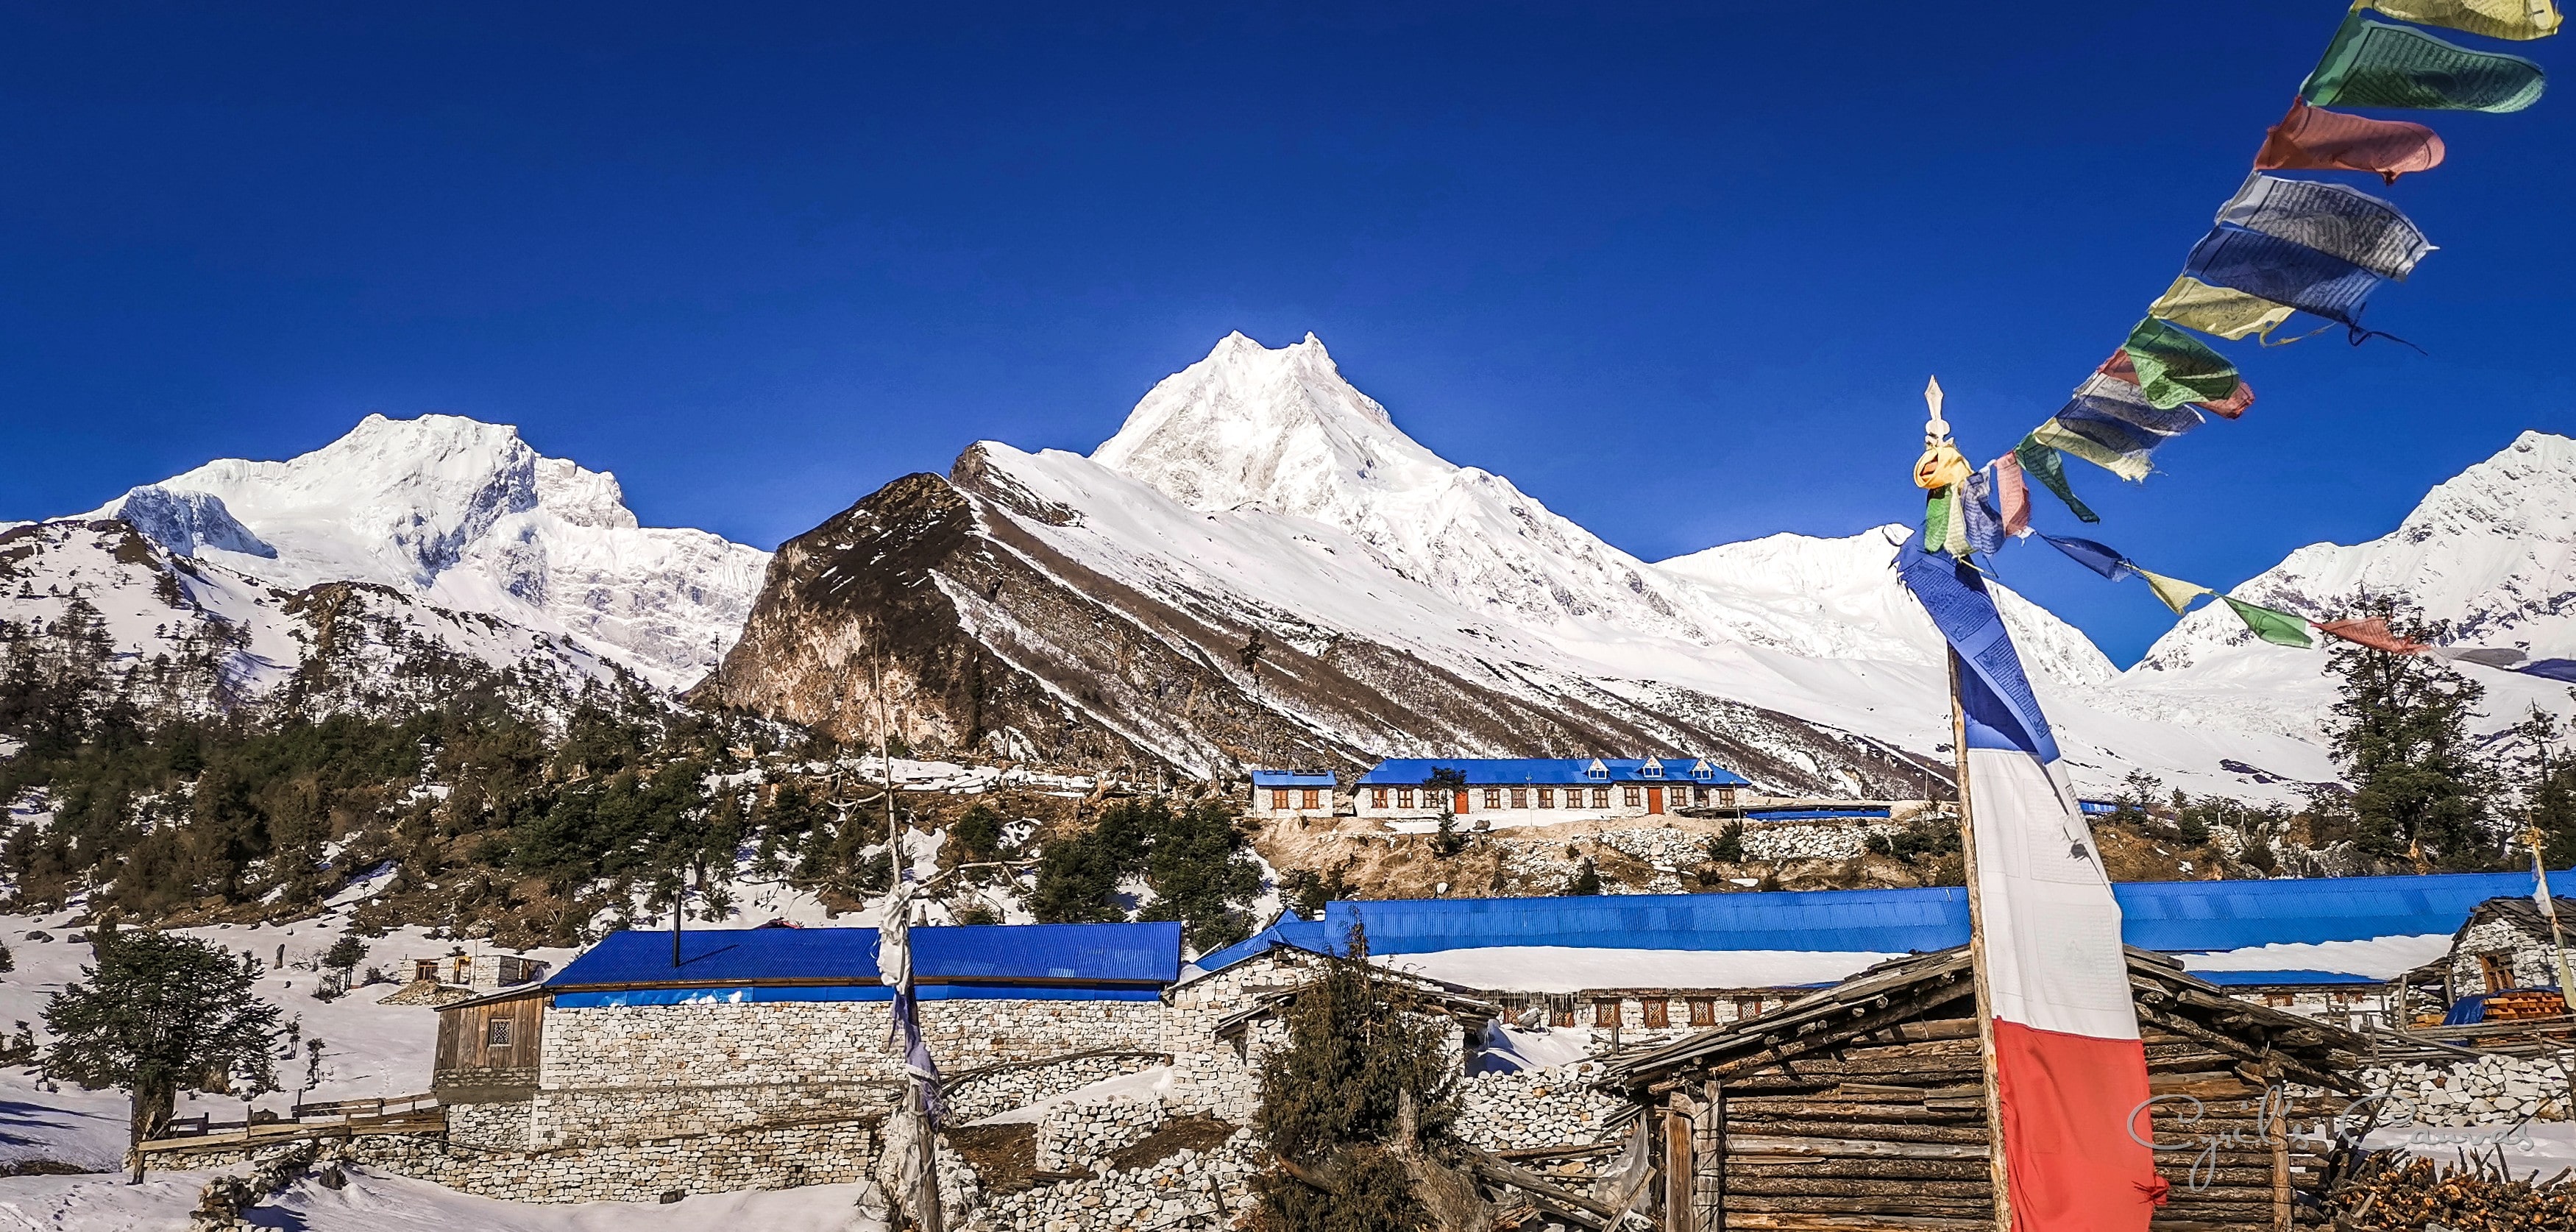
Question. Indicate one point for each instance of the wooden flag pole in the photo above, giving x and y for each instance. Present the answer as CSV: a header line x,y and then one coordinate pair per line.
x,y
1936,432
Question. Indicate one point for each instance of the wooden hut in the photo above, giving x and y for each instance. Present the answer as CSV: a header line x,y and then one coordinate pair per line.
x,y
1862,1108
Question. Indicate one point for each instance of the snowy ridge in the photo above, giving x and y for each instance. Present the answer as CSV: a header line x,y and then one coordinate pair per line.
x,y
465,516
1257,484
2491,550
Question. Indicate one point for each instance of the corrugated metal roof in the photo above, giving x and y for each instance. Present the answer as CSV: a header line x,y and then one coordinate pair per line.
x,y
1287,932
1480,771
1290,778
990,954
1814,814
2173,916
2282,979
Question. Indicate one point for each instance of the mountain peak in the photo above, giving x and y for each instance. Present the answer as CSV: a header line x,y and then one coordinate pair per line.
x,y
1278,429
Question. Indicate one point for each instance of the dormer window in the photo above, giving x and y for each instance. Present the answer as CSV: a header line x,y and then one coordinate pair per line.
x,y
1652,769
1703,770
1596,771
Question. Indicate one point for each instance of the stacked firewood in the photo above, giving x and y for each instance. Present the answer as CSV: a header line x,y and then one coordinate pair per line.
x,y
2389,1193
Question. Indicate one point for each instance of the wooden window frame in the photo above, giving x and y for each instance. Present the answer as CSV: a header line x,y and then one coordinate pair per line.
x,y
1377,797
1747,1007
1561,1015
1404,797
1703,1012
496,1032
1493,797
1606,1012
1547,797
1279,799
1312,794
1600,797
1658,1012
2496,967
1632,796
1520,797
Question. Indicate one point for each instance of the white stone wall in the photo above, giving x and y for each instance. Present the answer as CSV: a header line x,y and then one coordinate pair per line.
x,y
2534,966
1546,1107
2492,1090
1565,806
1072,1136
1191,1190
973,1096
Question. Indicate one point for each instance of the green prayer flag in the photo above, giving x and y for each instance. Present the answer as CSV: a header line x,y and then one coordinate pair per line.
x,y
2040,462
1936,520
2278,628
2175,368
2375,64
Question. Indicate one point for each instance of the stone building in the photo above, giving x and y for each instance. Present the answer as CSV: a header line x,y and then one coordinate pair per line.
x,y
1531,790
483,971
2505,944
1291,793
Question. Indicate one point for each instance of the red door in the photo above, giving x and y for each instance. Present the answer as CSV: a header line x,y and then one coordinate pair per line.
x,y
1654,799
1462,802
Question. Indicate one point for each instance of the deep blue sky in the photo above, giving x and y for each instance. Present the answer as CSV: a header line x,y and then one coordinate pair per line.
x,y
1678,271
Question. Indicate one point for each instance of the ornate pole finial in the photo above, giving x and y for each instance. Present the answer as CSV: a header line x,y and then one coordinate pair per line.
x,y
1936,430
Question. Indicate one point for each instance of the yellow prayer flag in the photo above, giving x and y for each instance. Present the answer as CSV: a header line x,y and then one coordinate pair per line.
x,y
2502,19
2176,592
2129,466
2228,314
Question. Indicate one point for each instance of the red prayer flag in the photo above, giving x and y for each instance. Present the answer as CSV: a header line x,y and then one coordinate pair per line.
x,y
2012,491
2372,633
2314,139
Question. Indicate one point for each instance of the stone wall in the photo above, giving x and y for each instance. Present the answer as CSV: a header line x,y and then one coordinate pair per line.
x,y
1544,1107
2533,964
974,1095
2492,1090
1192,1189
1071,1136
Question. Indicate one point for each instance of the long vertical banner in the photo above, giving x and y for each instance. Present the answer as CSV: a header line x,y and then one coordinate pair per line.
x,y
2069,1067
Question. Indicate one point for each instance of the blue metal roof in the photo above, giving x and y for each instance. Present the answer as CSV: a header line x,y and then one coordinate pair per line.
x,y
2097,808
1288,932
1290,778
1480,771
2173,916
2278,979
991,954
1814,814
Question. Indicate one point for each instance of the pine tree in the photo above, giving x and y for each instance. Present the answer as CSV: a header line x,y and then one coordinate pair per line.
x,y
2401,736
160,1014
2542,776
1444,785
1357,1107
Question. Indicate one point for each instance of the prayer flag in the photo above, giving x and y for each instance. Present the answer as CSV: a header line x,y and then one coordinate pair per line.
x,y
2373,633
2231,406
2174,368
2012,492
2374,64
1936,521
2094,556
2500,19
2278,628
2220,311
1983,527
2550,669
2070,1070
2312,139
1954,538
2483,656
2038,461
2110,423
2282,271
2176,593
2330,218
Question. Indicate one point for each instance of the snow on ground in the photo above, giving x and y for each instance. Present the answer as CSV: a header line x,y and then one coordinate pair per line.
x,y
370,1050
2536,1149
1528,1048
2380,958
376,1202
949,776
1562,968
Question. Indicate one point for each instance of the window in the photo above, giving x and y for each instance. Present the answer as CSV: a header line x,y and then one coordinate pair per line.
x,y
1547,797
1493,797
1681,797
1279,800
1651,770
1632,797
425,969
1747,1007
1703,1012
1310,798
1377,797
1520,797
1659,1013
1605,1013
1404,797
2280,1000
1726,797
1561,1015
1597,771
2498,970
1600,797
496,1034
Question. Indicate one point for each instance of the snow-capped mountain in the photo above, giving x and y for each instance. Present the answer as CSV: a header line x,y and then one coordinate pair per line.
x,y
1259,566
2492,551
463,516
